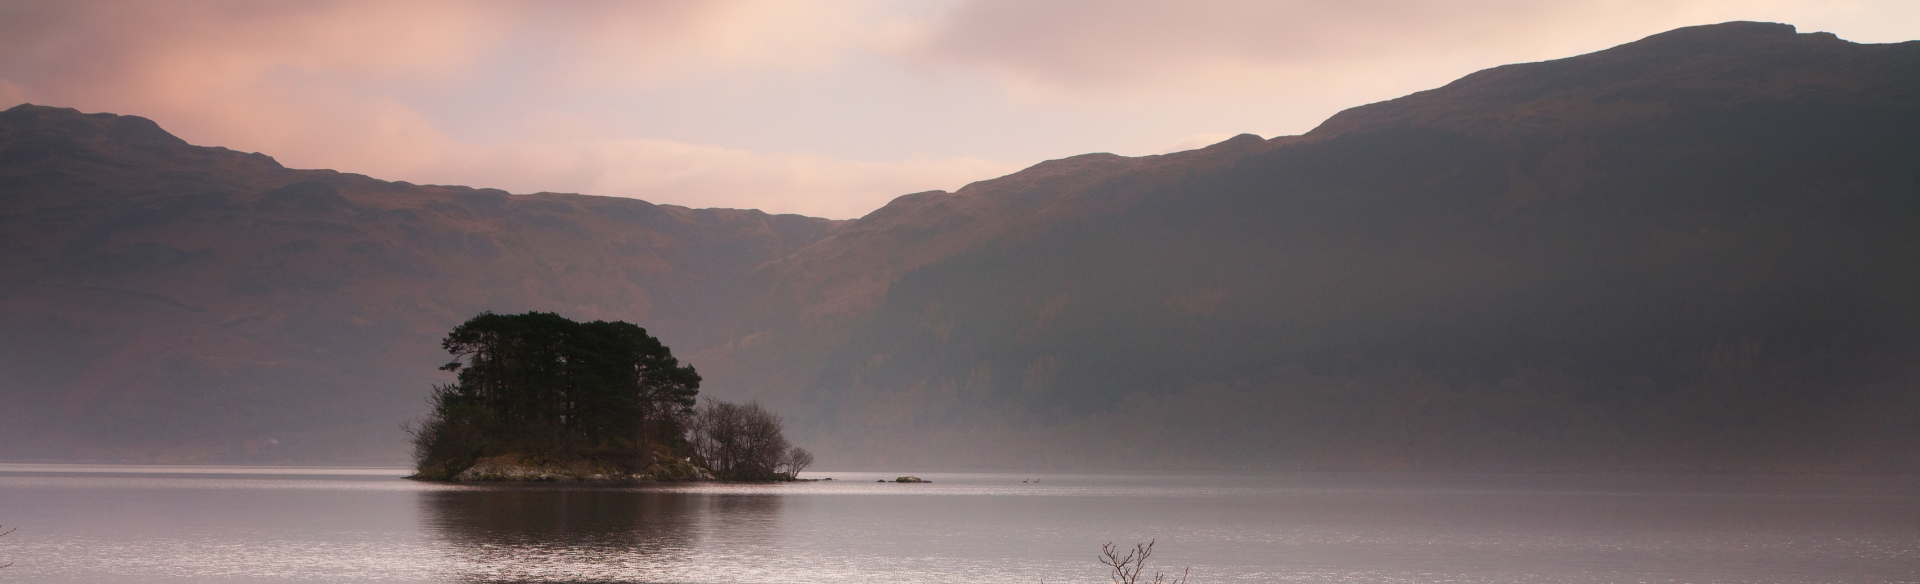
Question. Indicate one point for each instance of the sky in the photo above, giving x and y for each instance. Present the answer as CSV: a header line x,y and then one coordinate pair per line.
x,y
828,108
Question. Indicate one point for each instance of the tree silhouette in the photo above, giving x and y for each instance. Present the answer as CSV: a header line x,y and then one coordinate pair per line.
x,y
742,441
541,386
798,459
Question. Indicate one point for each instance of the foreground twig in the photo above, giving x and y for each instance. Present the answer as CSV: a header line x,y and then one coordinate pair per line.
x,y
1129,568
4,534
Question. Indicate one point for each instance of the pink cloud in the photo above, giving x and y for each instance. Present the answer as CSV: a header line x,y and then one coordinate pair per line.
x,y
674,172
332,84
1207,46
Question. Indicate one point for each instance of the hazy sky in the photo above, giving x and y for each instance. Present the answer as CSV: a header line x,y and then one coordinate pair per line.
x,y
822,107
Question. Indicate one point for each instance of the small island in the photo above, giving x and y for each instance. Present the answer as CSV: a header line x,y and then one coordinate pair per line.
x,y
539,397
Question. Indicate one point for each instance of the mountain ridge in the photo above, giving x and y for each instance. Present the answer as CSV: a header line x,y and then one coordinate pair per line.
x,y
308,282
1690,252
1568,240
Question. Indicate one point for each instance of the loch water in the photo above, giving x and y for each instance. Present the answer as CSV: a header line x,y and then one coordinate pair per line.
x,y
106,523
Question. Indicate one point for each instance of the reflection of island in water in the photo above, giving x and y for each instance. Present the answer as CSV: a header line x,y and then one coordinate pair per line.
x,y
562,533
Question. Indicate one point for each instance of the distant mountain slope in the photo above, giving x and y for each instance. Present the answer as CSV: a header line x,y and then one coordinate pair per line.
x,y
170,302
1696,251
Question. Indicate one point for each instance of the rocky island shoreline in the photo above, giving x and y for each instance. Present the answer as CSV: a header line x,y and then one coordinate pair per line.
x,y
509,469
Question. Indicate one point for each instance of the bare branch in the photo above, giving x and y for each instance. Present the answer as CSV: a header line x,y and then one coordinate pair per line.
x,y
1127,569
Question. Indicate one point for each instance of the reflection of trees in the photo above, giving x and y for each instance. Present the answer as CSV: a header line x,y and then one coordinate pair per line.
x,y
584,533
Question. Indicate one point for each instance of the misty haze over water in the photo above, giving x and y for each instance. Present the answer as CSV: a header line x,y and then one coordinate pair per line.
x,y
249,524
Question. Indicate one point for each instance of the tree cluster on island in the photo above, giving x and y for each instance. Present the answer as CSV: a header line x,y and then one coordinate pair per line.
x,y
744,442
541,397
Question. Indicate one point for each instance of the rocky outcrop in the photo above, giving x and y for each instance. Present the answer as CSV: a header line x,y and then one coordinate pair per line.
x,y
678,470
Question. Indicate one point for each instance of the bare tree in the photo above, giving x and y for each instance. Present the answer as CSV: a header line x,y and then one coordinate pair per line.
x,y
4,534
1129,568
797,459
718,428
740,441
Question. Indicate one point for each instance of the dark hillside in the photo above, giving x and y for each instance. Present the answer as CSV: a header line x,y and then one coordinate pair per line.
x,y
171,302
1697,251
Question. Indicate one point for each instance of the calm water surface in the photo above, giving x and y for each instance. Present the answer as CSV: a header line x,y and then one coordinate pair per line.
x,y
247,524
